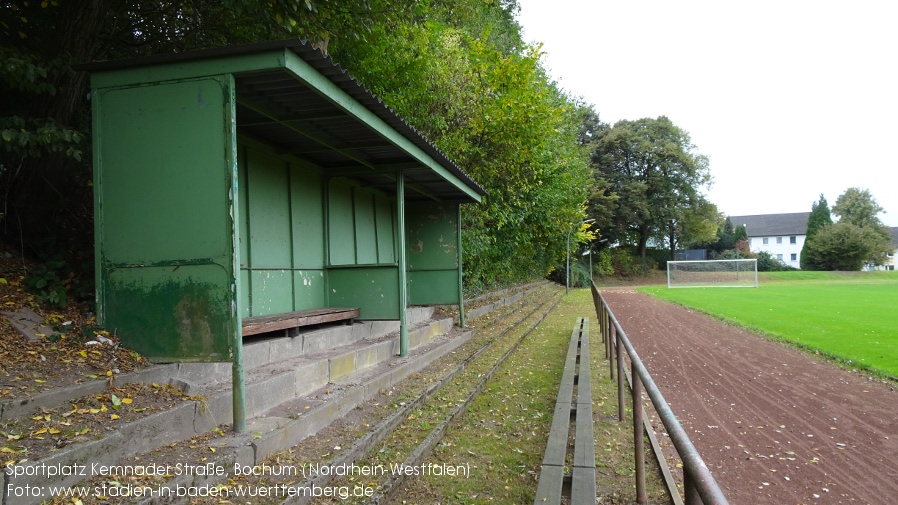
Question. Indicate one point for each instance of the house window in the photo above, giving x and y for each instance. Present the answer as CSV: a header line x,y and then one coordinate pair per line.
x,y
779,240
779,257
793,239
794,257
766,240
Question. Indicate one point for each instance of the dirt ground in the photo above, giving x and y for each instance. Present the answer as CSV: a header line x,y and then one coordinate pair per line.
x,y
775,425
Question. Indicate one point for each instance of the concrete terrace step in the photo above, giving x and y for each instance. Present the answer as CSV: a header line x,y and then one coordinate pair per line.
x,y
329,370
268,385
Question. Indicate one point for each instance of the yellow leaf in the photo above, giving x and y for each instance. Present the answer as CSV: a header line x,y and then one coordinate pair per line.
x,y
108,373
39,381
126,401
54,431
94,411
212,449
114,417
103,408
40,431
83,354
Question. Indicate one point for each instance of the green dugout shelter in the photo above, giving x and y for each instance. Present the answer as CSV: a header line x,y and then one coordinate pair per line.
x,y
257,180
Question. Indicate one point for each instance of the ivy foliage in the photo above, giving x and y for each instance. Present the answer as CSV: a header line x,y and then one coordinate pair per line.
x,y
458,71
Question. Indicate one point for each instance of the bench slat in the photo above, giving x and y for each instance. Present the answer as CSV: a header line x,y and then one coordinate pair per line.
x,y
273,322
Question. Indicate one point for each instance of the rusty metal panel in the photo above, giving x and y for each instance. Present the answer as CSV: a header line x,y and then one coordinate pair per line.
x,y
165,258
432,249
375,290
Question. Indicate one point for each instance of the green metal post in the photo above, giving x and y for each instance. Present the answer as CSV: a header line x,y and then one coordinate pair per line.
x,y
461,292
403,286
238,382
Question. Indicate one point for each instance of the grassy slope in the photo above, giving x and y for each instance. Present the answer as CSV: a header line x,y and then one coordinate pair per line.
x,y
847,315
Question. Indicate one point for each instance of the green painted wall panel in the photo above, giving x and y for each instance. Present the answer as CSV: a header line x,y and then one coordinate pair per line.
x,y
171,314
243,207
308,219
340,225
272,292
365,231
244,299
309,287
433,287
164,235
431,231
375,290
432,249
269,211
386,229
169,183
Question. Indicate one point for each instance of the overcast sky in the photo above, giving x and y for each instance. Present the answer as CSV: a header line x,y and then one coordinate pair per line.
x,y
789,99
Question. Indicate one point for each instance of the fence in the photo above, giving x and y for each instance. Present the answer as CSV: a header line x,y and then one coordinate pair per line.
x,y
699,485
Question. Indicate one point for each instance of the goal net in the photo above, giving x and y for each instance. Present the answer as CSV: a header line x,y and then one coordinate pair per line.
x,y
713,274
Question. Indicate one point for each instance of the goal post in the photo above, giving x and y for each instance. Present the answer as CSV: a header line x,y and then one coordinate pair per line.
x,y
741,273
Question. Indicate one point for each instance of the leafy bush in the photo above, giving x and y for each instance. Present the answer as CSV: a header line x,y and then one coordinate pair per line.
x,y
602,263
768,263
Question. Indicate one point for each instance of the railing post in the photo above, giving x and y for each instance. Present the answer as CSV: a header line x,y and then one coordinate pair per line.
x,y
610,350
620,383
638,440
690,492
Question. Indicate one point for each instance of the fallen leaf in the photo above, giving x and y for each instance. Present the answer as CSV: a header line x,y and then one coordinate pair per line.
x,y
114,417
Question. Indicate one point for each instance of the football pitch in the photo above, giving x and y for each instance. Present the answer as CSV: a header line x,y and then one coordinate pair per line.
x,y
852,317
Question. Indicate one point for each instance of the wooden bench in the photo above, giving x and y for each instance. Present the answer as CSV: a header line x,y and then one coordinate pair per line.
x,y
274,322
583,474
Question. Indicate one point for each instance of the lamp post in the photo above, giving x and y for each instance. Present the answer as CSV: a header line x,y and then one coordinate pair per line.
x,y
567,282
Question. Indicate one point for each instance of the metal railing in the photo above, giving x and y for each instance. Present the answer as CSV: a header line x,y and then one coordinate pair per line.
x,y
699,486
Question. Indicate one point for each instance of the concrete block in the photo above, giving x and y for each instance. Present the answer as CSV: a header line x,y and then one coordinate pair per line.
x,y
286,347
362,330
159,429
342,365
268,393
373,354
311,376
256,353
382,328
419,314
203,373
327,338
216,410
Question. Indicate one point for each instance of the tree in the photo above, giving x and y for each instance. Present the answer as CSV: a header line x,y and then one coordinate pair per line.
x,y
841,246
45,170
698,225
858,207
652,167
457,71
820,217
858,238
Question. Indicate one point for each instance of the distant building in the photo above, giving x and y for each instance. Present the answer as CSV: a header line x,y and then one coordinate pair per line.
x,y
781,235
891,263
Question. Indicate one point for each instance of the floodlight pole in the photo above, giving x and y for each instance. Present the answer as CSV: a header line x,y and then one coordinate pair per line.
x,y
567,282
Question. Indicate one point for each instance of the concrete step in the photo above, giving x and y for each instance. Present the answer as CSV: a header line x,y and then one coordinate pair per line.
x,y
329,370
268,386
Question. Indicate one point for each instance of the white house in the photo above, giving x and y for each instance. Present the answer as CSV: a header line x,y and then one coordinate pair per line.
x,y
893,261
781,235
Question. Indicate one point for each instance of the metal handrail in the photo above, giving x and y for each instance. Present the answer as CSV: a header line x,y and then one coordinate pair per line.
x,y
699,485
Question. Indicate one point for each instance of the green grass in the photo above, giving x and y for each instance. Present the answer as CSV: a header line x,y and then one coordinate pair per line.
x,y
847,316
